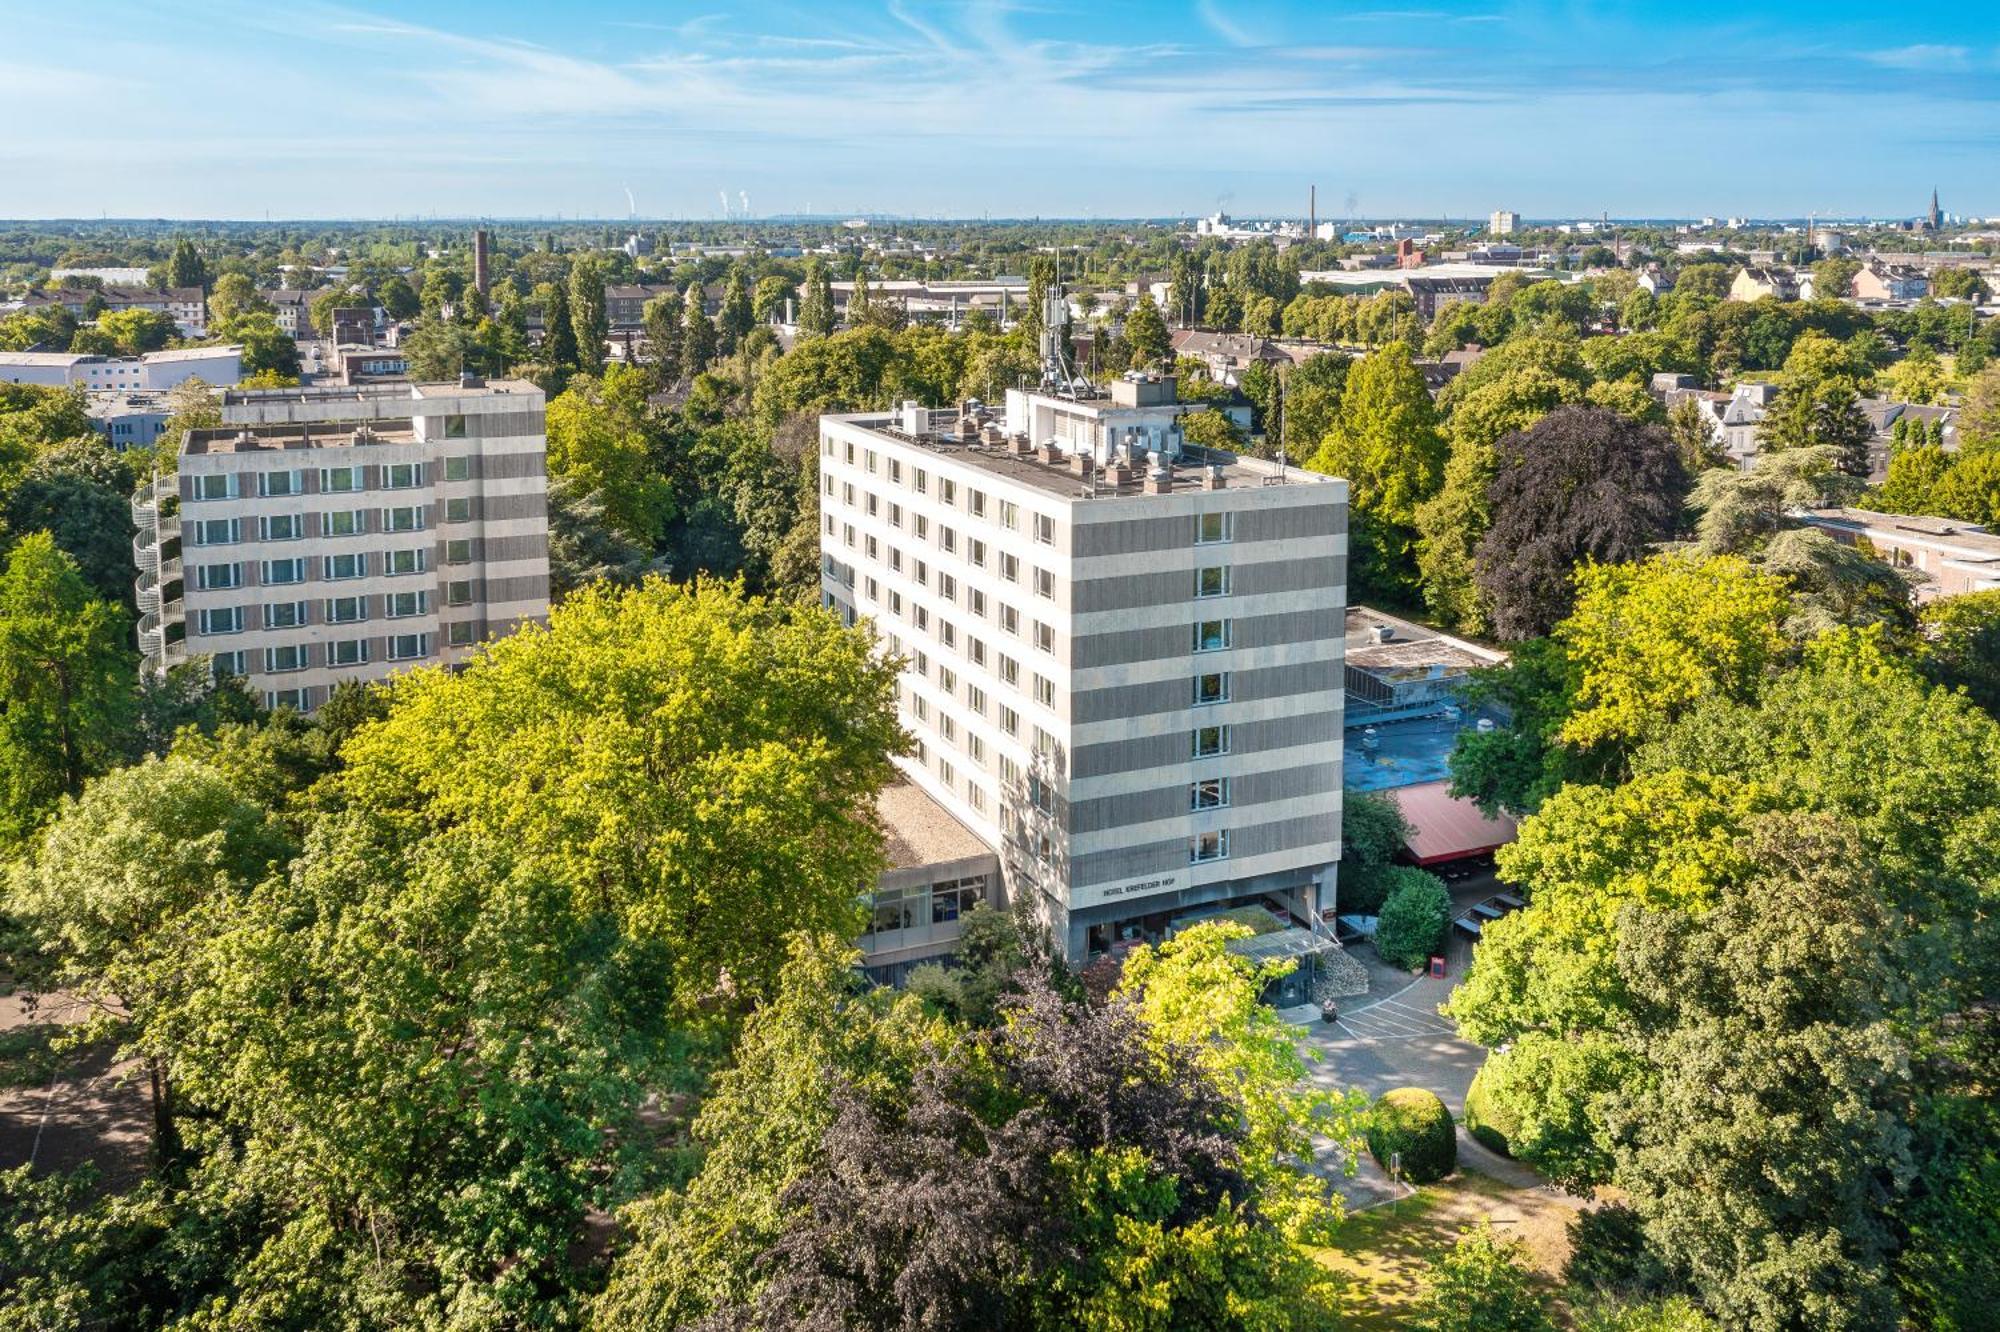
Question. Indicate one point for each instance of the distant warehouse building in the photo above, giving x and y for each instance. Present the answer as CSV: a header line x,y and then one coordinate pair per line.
x,y
327,535
150,371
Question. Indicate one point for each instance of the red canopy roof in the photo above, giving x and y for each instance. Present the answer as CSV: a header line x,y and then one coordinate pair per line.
x,y
1448,828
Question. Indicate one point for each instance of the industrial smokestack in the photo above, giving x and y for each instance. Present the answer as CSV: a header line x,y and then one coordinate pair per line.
x,y
480,242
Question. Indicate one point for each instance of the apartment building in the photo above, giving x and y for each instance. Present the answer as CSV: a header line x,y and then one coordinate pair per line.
x,y
149,371
330,534
1122,653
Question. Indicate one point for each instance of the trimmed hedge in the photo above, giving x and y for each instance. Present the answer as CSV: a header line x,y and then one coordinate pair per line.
x,y
1412,922
1364,888
1415,1123
1486,1121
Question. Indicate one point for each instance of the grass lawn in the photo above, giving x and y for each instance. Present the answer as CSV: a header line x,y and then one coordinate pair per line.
x,y
1386,1250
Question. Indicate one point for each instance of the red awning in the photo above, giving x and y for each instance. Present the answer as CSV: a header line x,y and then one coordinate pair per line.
x,y
1448,828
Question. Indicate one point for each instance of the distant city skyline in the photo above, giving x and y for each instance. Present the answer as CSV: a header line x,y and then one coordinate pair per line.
x,y
227,109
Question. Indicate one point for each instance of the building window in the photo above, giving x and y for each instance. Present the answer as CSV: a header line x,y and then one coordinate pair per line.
x,y
213,487
347,652
1010,619
1211,635
458,468
948,633
975,551
895,472
346,566
948,492
274,484
1045,529
920,526
976,649
975,700
975,796
399,562
1010,721
1210,741
295,699
408,647
921,482
345,522
217,531
346,610
462,634
458,552
947,587
1010,670
947,679
277,573
1211,528
458,593
1209,793
1045,584
1010,515
235,663
947,540
402,605
285,615
1212,581
340,480
458,510
211,577
1209,846
976,503
408,518
287,657
1010,567
1212,687
895,515
975,601
868,461
220,620
1045,636
1045,691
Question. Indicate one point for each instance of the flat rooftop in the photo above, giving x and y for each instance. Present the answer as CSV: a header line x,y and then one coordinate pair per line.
x,y
1945,531
277,438
917,830
1056,478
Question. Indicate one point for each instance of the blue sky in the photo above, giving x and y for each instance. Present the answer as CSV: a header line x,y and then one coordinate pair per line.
x,y
1003,108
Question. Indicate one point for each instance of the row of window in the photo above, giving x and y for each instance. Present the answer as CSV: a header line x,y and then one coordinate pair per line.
x,y
976,552
1005,511
332,480
334,610
331,568
332,523
338,653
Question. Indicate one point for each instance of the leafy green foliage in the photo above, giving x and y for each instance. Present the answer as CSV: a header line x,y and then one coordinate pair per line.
x,y
66,684
1411,1132
1385,443
1413,920
1481,1285
1491,1123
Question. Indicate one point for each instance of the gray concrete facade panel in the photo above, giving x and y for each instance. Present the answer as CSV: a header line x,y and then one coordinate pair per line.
x,y
1158,751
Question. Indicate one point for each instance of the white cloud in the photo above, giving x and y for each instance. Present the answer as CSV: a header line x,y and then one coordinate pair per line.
x,y
1920,56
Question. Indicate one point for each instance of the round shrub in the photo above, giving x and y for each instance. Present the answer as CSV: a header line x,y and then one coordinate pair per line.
x,y
1415,1123
1485,1119
1412,922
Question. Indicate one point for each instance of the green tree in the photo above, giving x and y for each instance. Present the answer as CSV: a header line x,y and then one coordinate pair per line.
x,y
1481,1285
113,886
235,294
1694,437
1818,406
79,492
697,333
1970,489
587,314
1648,640
816,316
559,344
738,314
66,684
1386,444
1961,645
1413,921
662,318
601,440
1146,334
185,267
